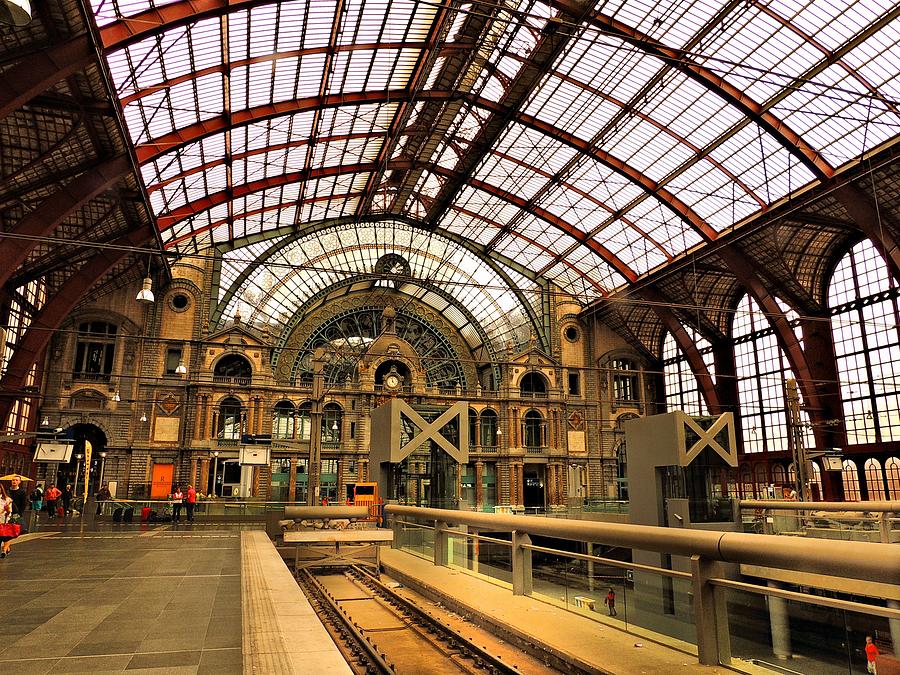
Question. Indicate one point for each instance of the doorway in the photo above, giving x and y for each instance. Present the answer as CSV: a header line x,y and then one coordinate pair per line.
x,y
534,486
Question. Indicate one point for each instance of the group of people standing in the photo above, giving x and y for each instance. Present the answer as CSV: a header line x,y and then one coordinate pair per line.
x,y
186,498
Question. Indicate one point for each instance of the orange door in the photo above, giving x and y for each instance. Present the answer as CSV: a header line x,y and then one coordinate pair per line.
x,y
161,485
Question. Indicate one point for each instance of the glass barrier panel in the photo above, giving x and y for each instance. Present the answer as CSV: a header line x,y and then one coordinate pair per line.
x,y
802,637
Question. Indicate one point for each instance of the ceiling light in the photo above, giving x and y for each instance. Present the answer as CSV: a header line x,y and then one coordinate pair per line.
x,y
15,12
145,295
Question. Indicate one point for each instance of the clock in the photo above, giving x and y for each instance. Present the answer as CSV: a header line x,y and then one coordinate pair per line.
x,y
392,381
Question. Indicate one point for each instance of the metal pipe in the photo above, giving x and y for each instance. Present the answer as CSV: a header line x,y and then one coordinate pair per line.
x,y
859,560
779,505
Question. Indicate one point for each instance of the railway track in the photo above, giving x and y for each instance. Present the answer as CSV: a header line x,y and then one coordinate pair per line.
x,y
380,631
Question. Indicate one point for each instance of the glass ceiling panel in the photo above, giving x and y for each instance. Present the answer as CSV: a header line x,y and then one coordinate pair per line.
x,y
274,290
674,131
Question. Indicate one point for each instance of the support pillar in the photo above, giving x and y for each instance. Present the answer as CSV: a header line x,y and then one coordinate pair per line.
x,y
204,476
780,625
520,484
479,486
894,626
710,615
521,564
441,544
292,481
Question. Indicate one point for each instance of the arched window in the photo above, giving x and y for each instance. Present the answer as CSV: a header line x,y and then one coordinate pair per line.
x,y
851,481
815,480
762,481
762,369
332,423
95,351
304,420
779,476
892,473
229,426
473,427
233,368
682,390
283,420
746,478
874,480
865,303
534,429
533,384
624,380
489,429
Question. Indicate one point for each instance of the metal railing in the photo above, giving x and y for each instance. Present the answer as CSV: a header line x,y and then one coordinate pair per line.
x,y
851,521
715,611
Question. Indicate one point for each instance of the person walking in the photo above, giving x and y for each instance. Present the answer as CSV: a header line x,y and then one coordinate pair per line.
x,y
177,499
191,502
872,655
19,496
53,494
37,498
7,532
67,498
610,602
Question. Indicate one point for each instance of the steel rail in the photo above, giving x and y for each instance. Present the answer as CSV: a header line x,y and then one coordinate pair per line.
x,y
859,560
778,505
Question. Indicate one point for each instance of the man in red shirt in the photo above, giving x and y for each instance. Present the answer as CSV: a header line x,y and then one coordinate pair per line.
x,y
871,655
191,502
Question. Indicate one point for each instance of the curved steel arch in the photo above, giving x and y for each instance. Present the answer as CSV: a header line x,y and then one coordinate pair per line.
x,y
676,59
313,299
178,138
313,228
166,221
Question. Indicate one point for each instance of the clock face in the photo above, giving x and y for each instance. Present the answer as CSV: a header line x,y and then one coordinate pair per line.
x,y
391,381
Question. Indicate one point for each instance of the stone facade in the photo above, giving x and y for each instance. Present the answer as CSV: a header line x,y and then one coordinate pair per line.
x,y
555,405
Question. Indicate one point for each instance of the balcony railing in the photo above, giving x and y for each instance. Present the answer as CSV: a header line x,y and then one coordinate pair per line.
x,y
92,377
228,379
535,449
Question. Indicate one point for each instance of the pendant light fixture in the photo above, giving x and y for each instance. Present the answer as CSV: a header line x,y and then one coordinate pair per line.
x,y
145,295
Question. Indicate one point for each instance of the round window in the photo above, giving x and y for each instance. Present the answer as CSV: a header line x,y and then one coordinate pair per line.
x,y
571,333
179,302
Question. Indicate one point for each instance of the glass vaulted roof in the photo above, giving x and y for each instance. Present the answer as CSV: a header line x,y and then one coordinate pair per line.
x,y
591,143
479,299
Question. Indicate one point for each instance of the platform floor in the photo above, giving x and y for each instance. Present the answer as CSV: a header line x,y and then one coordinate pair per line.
x,y
122,598
596,645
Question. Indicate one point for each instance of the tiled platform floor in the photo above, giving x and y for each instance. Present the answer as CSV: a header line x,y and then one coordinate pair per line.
x,y
122,598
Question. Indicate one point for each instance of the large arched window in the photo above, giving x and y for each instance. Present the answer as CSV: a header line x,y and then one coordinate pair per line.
x,y
682,390
229,426
534,429
864,302
489,429
283,420
762,369
851,481
533,384
233,368
892,473
874,480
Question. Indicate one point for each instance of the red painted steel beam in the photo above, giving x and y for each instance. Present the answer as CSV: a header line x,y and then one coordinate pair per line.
x,y
168,220
784,333
300,142
578,235
177,139
863,209
55,312
661,306
45,218
155,148
680,61
416,80
38,72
